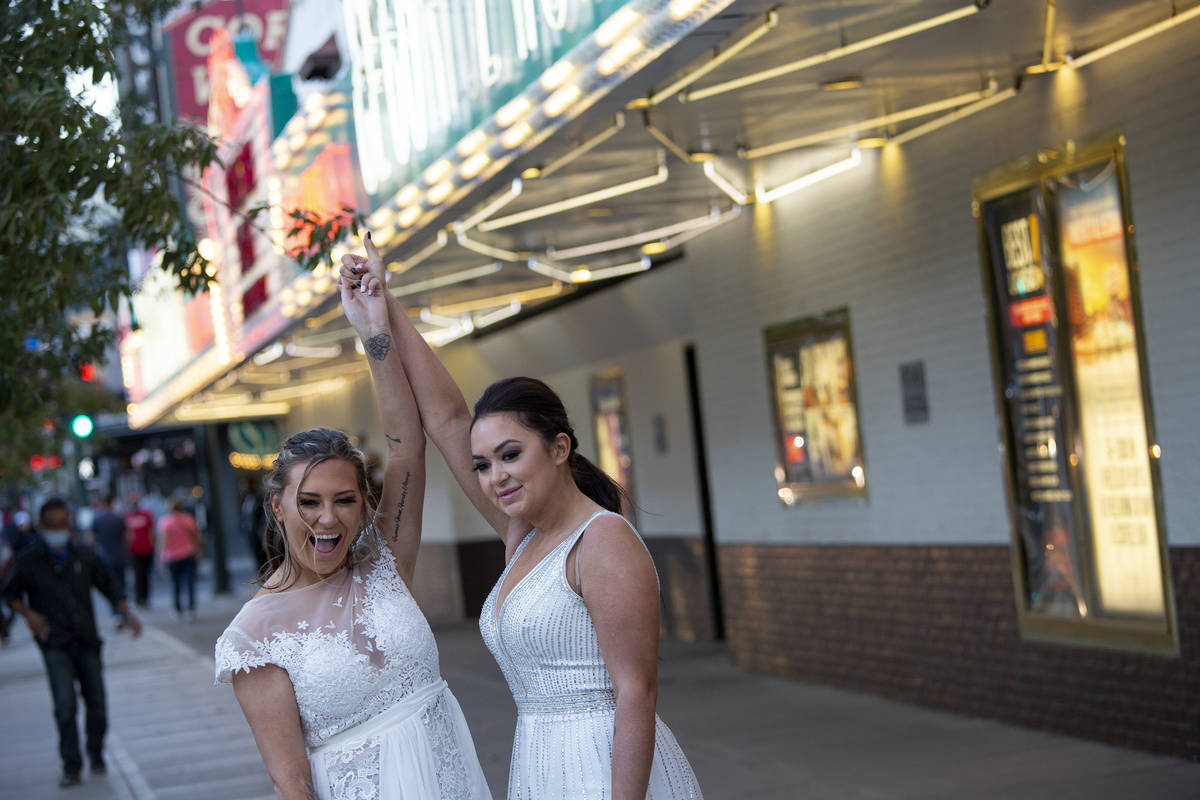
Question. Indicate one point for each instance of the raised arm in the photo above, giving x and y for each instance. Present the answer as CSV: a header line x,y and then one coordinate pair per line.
x,y
399,515
444,410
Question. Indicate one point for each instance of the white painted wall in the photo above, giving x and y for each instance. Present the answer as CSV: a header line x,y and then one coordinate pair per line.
x,y
895,241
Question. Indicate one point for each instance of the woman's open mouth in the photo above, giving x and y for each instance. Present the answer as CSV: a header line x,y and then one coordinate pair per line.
x,y
325,543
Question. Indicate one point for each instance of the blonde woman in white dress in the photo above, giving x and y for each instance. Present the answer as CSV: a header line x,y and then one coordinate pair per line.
x,y
333,663
574,620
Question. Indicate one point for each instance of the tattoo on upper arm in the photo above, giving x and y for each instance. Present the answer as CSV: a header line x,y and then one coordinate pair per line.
x,y
400,507
378,346
395,439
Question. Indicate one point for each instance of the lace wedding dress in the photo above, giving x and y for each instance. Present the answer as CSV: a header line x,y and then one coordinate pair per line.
x,y
546,646
379,722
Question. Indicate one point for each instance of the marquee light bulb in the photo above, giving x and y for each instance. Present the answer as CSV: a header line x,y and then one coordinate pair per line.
x,y
616,25
515,135
680,9
618,55
561,100
511,111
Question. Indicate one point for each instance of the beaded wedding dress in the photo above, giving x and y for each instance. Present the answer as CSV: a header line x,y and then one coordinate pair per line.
x,y
379,722
546,646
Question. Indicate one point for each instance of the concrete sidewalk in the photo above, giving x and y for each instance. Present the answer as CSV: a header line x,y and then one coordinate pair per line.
x,y
174,735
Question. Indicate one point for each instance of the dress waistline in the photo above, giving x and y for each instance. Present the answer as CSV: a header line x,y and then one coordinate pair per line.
x,y
577,703
408,707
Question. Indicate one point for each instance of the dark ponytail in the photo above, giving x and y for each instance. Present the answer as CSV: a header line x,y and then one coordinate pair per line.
x,y
539,409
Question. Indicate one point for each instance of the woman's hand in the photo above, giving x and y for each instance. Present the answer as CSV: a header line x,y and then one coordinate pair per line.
x,y
364,304
354,266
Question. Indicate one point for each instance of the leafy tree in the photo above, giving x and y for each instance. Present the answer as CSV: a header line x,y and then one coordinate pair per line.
x,y
78,190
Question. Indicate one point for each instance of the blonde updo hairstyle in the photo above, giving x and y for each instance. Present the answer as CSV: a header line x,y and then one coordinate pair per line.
x,y
312,447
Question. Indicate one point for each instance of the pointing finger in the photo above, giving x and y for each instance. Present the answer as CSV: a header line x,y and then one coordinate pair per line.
x,y
372,252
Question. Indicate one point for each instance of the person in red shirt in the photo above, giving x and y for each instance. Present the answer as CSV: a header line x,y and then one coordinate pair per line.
x,y
179,549
139,536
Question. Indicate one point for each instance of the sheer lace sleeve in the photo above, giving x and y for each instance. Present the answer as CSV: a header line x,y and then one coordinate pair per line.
x,y
244,645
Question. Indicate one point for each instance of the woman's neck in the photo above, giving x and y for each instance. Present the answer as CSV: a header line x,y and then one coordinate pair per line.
x,y
567,508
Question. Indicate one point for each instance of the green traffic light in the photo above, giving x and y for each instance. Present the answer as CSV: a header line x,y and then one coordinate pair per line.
x,y
82,426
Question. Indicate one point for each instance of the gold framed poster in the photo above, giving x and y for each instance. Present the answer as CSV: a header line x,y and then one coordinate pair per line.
x,y
1089,546
814,400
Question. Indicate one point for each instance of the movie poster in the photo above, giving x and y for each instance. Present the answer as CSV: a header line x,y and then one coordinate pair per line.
x,y
1112,417
816,415
613,452
1031,371
1078,436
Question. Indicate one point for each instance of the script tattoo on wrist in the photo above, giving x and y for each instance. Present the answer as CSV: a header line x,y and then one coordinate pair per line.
x,y
378,346
400,507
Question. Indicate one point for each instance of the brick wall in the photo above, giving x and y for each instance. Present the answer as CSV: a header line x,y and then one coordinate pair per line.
x,y
688,613
937,625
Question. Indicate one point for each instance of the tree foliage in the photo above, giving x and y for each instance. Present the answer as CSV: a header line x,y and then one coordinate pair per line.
x,y
78,190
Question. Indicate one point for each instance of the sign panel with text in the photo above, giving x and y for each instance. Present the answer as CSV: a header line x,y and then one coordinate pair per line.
x,y
1089,544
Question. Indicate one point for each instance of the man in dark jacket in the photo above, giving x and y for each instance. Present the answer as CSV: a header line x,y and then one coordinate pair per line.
x,y
50,586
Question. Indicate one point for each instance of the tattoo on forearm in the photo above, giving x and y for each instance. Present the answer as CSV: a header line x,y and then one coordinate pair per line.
x,y
400,507
377,347
391,438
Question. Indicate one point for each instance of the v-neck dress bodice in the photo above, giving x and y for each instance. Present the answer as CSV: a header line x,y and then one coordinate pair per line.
x,y
543,638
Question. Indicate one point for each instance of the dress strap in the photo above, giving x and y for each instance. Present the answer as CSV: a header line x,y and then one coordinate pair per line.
x,y
574,538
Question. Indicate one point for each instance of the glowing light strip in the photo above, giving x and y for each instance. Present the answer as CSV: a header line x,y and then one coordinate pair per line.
x,y
668,142
1048,37
583,147
707,221
488,250
311,351
874,122
447,280
491,208
201,412
492,317
686,236
549,270
553,290
1133,38
830,55
768,196
717,179
672,89
641,265
660,176
953,116
440,320
437,244
302,390
268,354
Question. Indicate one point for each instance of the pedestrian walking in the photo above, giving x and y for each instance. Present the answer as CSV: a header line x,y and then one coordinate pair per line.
x,y
253,520
51,587
574,619
139,537
108,537
180,546
332,661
